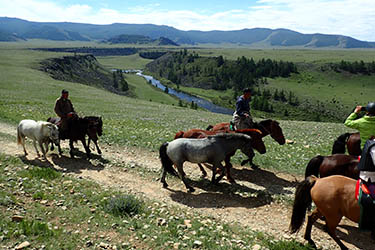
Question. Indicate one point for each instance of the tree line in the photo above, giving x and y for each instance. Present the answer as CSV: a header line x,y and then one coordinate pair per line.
x,y
355,67
190,69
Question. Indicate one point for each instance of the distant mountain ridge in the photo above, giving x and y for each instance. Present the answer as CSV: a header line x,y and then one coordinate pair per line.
x,y
140,39
12,29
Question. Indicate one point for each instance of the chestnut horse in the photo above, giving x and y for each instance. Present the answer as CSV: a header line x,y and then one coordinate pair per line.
x,y
351,141
267,127
337,164
256,143
334,197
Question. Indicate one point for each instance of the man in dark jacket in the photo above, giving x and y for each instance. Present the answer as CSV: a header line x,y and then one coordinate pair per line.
x,y
64,109
241,117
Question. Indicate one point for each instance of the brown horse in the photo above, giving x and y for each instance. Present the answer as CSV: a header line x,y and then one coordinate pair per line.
x,y
95,129
351,141
78,129
334,197
267,127
256,143
337,164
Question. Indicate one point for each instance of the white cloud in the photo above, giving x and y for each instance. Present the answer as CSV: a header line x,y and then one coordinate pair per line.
x,y
346,17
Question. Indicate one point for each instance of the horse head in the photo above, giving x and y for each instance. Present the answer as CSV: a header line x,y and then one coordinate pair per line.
x,y
179,134
52,131
277,132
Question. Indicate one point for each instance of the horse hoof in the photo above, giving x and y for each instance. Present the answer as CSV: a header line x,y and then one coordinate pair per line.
x,y
165,185
254,167
99,152
190,189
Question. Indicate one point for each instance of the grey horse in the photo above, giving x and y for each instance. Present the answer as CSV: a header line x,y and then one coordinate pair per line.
x,y
212,149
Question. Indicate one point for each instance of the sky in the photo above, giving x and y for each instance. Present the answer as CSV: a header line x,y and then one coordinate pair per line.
x,y
354,18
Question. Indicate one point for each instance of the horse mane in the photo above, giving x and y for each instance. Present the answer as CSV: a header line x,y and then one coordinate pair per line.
x,y
249,130
231,136
266,122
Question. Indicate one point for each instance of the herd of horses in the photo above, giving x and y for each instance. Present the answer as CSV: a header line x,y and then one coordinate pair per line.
x,y
333,193
48,132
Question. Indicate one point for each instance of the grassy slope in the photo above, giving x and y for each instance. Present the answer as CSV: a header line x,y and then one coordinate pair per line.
x,y
133,122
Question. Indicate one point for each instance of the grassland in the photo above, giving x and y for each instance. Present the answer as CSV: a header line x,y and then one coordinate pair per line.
x,y
27,93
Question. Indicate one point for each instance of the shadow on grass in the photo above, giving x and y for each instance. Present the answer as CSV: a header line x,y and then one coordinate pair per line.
x,y
221,195
69,165
262,177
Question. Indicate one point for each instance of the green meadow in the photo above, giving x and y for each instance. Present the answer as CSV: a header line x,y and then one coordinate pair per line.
x,y
145,122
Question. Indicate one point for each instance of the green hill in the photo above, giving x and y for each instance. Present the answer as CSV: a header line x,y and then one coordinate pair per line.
x,y
257,37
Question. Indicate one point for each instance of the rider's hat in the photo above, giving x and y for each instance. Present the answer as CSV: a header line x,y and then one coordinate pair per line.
x,y
64,91
371,108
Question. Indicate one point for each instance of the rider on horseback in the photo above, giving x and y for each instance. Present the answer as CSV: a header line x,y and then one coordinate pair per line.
x,y
366,166
366,124
64,109
241,117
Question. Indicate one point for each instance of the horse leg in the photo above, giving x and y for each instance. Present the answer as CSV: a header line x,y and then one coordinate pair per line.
x,y
97,147
204,173
36,149
228,166
182,177
43,150
86,148
219,166
71,148
23,145
52,147
311,219
332,223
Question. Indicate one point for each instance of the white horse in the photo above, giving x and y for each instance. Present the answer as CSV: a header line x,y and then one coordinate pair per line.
x,y
40,131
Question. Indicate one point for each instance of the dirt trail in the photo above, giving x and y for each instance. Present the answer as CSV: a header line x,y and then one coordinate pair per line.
x,y
247,202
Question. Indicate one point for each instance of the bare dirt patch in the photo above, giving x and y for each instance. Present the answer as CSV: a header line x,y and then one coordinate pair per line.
x,y
254,201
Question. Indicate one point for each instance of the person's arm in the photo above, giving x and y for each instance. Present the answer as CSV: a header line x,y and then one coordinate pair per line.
x,y
71,104
351,121
58,110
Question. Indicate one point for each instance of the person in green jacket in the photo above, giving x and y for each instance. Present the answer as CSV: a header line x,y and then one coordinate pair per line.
x,y
366,124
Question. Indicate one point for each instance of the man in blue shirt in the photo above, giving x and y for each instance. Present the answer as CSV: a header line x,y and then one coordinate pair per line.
x,y
241,117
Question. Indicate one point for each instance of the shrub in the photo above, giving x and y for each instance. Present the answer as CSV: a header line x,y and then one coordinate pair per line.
x,y
124,205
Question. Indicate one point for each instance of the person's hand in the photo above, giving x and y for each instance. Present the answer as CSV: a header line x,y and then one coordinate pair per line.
x,y
357,109
70,114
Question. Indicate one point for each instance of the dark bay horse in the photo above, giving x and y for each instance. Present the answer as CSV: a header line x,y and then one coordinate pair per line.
x,y
257,144
350,141
95,129
267,127
212,149
334,197
79,127
337,164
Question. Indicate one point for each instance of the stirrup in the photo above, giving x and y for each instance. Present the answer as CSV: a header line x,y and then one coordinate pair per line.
x,y
232,126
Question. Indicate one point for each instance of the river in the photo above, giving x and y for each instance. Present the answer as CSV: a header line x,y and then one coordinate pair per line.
x,y
189,98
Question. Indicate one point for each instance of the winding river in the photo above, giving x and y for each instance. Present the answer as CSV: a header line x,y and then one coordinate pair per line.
x,y
189,98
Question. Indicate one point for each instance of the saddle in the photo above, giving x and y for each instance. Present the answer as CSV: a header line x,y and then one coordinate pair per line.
x,y
366,201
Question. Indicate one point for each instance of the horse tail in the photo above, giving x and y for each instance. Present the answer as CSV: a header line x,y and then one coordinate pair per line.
x,y
339,146
210,127
313,166
19,140
179,134
302,203
166,162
